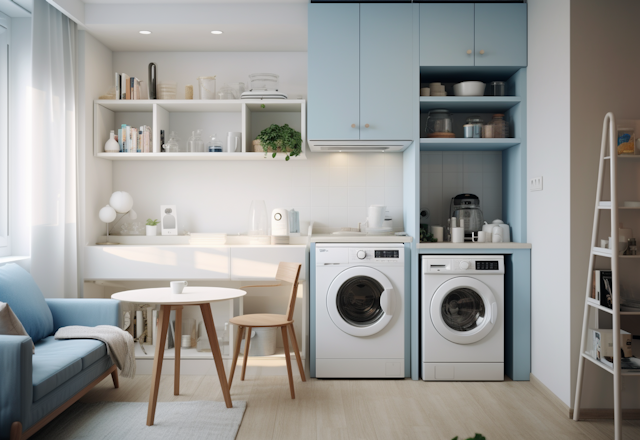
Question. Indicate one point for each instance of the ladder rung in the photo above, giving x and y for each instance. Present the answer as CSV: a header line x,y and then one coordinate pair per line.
x,y
599,307
603,252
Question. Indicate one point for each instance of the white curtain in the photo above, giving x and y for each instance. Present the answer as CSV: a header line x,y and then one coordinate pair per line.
x,y
54,248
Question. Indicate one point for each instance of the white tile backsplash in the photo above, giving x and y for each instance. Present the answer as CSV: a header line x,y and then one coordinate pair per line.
x,y
447,174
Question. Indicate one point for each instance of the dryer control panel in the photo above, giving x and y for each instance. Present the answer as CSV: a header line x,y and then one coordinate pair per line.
x,y
463,264
360,253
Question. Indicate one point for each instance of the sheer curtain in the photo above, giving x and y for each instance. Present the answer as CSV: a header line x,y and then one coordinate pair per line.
x,y
54,248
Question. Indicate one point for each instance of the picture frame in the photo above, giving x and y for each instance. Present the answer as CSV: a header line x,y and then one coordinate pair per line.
x,y
169,219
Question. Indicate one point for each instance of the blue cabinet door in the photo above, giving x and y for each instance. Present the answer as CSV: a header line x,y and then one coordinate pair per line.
x,y
501,34
334,71
386,71
446,34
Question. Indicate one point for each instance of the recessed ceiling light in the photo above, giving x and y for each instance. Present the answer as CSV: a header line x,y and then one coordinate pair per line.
x,y
216,32
145,32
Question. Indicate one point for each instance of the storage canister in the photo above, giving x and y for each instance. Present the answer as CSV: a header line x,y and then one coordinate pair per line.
x,y
473,128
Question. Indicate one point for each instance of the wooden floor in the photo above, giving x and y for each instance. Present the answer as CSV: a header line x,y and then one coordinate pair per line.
x,y
375,409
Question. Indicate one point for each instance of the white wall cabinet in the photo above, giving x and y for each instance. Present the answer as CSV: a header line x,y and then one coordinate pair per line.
x,y
184,116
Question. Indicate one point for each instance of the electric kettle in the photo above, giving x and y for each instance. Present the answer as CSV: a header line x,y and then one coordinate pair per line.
x,y
467,207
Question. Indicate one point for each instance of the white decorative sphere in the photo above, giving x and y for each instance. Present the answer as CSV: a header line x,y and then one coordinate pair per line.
x,y
107,214
133,215
121,201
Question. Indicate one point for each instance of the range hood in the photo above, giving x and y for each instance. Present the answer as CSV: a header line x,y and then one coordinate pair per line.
x,y
357,146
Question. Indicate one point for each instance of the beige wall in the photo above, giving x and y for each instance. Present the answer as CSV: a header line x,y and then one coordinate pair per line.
x,y
604,77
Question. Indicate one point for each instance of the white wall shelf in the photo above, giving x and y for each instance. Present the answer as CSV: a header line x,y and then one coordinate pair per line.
x,y
248,116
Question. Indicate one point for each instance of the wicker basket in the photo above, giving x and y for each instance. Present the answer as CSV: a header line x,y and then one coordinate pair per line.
x,y
257,147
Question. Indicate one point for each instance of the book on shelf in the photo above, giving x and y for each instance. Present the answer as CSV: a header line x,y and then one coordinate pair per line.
x,y
628,363
601,292
117,86
127,87
135,139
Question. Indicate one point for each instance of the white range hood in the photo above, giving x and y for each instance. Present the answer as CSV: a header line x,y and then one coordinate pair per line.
x,y
357,146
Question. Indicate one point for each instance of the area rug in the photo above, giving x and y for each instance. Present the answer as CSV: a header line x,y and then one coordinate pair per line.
x,y
128,420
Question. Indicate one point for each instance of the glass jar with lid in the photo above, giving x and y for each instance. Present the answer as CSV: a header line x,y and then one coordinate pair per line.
x,y
173,146
473,127
439,124
500,128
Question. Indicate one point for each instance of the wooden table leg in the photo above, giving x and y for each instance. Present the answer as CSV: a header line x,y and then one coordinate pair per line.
x,y
163,324
178,344
215,349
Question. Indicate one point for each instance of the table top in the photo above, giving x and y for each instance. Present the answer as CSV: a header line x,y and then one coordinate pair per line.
x,y
190,295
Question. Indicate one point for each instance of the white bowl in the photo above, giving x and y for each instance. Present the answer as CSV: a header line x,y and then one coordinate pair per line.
x,y
469,88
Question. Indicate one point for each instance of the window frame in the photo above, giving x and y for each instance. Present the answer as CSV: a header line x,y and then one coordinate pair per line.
x,y
5,41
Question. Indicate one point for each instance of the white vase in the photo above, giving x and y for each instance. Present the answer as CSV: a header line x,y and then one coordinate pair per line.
x,y
112,146
152,230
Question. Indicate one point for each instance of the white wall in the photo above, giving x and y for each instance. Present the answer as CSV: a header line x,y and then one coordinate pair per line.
x,y
548,211
20,138
604,79
333,190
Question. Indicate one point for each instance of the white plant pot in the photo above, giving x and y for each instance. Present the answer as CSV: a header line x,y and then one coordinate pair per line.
x,y
152,230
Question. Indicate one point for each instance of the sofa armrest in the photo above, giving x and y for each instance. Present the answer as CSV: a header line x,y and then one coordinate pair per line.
x,y
87,312
16,390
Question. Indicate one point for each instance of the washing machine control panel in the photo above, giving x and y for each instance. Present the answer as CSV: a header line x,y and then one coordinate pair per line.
x,y
463,264
372,255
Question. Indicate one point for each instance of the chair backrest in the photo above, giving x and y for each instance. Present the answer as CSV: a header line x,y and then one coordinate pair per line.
x,y
289,273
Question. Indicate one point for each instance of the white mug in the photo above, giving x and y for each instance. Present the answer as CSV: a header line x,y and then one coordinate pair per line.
x,y
496,234
376,216
478,237
178,286
457,235
234,141
438,233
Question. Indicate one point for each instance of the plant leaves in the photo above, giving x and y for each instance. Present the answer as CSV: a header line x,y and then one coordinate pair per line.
x,y
283,137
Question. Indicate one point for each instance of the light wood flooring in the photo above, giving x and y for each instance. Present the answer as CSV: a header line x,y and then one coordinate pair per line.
x,y
375,409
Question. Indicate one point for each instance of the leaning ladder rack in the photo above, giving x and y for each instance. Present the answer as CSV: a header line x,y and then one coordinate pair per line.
x,y
608,131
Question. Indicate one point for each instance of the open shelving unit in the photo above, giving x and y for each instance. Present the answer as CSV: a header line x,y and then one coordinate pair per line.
x,y
184,116
607,181
461,144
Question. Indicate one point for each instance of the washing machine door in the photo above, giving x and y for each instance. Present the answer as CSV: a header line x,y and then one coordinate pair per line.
x,y
463,310
361,301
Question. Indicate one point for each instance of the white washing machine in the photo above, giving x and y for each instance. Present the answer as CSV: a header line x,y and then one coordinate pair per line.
x,y
463,317
359,309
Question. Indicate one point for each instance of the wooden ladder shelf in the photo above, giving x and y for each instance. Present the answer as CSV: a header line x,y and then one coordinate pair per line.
x,y
609,132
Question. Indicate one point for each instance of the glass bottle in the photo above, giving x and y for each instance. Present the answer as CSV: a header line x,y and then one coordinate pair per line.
x,y
500,129
173,145
198,143
214,145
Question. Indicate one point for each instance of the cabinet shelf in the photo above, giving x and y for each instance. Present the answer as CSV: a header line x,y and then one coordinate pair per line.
x,y
469,104
464,144
196,156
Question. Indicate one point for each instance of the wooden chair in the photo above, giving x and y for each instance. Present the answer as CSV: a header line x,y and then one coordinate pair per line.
x,y
289,273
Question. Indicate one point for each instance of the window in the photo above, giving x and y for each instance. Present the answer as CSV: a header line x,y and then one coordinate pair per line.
x,y
5,27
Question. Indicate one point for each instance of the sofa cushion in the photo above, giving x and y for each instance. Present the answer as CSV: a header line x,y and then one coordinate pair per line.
x,y
20,291
57,361
10,325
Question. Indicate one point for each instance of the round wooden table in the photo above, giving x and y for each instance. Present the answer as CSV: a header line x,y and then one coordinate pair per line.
x,y
190,296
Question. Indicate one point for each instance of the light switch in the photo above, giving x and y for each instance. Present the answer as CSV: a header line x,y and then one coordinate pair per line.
x,y
535,184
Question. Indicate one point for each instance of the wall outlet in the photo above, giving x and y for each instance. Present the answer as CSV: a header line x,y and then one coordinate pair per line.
x,y
535,184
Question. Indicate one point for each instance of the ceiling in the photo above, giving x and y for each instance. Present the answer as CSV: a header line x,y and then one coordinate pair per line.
x,y
247,25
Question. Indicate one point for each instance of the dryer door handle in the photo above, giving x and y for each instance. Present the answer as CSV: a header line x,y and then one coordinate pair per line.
x,y
494,312
386,301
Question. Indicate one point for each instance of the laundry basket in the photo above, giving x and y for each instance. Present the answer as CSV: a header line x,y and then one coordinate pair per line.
x,y
263,341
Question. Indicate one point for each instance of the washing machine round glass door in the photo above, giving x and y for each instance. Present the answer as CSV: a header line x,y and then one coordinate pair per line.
x,y
463,310
361,301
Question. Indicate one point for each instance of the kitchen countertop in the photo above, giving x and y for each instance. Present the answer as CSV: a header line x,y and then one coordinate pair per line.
x,y
469,245
331,238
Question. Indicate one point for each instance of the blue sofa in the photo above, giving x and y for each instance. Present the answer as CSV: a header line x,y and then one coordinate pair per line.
x,y
35,388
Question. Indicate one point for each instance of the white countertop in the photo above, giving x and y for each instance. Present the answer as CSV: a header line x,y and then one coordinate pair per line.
x,y
330,238
469,245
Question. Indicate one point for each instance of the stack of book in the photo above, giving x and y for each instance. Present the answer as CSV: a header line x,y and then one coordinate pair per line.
x,y
127,87
135,140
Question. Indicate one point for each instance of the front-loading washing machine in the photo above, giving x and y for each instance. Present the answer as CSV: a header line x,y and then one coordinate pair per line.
x,y
463,317
359,310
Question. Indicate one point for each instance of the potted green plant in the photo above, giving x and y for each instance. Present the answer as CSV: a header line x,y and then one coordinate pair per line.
x,y
282,139
152,227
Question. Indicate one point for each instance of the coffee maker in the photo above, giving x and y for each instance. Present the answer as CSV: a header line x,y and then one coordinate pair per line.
x,y
466,207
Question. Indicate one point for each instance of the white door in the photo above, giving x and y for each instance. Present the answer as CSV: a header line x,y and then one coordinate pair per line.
x,y
361,301
463,310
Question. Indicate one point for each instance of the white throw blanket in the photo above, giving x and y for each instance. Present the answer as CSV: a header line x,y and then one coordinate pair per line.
x,y
119,344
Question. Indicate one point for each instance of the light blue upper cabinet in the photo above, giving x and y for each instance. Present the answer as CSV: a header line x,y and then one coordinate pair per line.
x,y
334,71
446,34
386,86
501,34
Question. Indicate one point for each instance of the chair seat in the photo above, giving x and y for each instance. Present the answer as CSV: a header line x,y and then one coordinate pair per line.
x,y
260,320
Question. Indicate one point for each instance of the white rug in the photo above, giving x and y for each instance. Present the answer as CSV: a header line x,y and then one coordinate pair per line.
x,y
128,420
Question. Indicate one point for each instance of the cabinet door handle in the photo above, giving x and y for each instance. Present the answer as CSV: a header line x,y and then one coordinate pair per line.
x,y
469,52
366,125
481,52
353,125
